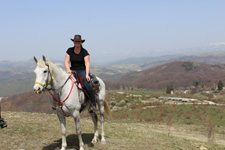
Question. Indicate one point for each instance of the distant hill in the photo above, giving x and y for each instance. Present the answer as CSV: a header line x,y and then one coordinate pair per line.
x,y
18,77
177,74
17,65
15,81
143,60
28,102
208,59
150,62
27,65
16,86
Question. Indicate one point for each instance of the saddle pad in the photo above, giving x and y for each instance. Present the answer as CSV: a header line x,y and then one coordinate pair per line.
x,y
78,84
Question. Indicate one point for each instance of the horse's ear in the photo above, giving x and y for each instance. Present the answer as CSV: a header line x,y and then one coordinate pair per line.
x,y
35,59
44,58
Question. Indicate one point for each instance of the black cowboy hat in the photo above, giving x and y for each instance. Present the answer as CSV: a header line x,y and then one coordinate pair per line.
x,y
77,38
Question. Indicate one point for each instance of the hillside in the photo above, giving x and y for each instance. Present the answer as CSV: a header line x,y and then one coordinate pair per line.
x,y
214,57
138,119
28,102
42,131
18,77
177,74
208,59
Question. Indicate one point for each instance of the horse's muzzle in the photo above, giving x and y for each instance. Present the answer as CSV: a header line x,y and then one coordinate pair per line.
x,y
37,89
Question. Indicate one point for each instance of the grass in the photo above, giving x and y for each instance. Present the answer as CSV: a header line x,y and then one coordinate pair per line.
x,y
179,113
132,96
150,126
42,131
145,92
208,120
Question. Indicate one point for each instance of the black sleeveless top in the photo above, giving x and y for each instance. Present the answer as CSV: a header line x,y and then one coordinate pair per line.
x,y
77,60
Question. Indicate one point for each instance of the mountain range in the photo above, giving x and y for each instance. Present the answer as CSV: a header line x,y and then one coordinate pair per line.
x,y
176,74
18,77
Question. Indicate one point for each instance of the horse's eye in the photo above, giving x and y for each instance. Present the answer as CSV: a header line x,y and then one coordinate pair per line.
x,y
45,71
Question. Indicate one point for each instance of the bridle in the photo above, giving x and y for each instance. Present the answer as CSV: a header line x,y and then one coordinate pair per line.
x,y
47,81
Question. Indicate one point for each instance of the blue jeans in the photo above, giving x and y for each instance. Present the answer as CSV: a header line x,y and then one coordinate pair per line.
x,y
88,86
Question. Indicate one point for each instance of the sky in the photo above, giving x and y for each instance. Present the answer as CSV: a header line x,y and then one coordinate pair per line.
x,y
113,30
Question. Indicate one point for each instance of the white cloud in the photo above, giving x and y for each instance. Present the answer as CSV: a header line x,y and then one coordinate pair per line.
x,y
218,44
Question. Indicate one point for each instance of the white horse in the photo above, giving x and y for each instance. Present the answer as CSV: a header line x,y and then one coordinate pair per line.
x,y
68,99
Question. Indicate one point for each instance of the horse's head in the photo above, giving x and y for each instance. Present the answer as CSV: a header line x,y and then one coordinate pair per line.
x,y
43,74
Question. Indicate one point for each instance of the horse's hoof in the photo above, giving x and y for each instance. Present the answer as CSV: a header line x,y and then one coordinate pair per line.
x,y
94,141
81,148
103,142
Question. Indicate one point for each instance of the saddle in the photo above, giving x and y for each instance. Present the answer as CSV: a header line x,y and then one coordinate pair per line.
x,y
80,80
80,84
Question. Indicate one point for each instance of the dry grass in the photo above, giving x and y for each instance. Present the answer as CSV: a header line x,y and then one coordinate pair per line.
x,y
38,131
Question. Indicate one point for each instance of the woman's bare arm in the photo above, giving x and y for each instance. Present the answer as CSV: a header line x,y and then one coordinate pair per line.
x,y
87,65
67,63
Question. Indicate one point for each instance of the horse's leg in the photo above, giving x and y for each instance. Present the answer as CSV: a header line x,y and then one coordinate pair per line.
x,y
62,120
95,121
101,109
78,128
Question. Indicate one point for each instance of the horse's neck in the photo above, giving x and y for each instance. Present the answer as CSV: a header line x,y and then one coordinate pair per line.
x,y
61,84
59,77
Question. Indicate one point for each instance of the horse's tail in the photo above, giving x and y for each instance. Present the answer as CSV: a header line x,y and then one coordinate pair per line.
x,y
106,108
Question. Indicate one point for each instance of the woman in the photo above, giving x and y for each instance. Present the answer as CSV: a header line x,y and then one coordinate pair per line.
x,y
80,63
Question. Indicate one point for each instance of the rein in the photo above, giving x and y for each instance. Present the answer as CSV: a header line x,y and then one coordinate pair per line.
x,y
61,86
61,103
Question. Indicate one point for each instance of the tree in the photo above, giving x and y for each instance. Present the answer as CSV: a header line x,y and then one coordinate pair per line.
x,y
196,83
169,89
220,85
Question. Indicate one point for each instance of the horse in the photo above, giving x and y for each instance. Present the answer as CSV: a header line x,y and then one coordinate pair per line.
x,y
68,99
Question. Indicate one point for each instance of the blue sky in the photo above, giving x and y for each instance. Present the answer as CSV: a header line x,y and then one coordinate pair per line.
x,y
113,30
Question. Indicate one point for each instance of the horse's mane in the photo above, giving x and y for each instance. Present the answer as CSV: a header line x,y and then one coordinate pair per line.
x,y
42,64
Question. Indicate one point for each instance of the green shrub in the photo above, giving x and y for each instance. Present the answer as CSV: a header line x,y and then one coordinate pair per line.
x,y
188,66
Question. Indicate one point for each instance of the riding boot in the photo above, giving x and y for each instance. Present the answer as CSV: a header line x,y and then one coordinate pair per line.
x,y
92,107
3,123
92,98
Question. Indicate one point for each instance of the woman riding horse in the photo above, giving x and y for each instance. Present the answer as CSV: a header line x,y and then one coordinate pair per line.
x,y
80,63
68,99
